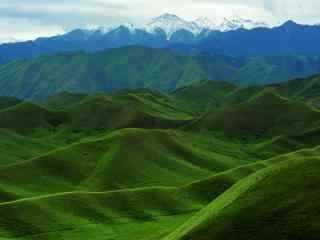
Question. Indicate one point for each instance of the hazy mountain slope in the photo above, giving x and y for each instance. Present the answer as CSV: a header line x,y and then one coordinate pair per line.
x,y
139,67
133,67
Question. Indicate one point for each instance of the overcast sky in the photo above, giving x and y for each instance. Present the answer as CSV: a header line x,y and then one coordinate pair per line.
x,y
28,19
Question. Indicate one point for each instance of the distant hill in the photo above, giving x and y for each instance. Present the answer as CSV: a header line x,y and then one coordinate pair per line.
x,y
139,67
265,114
208,95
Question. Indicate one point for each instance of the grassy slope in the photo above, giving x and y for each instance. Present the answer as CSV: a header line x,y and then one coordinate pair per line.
x,y
63,100
142,109
264,115
24,118
80,113
6,102
124,159
149,212
263,205
203,95
163,176
17,148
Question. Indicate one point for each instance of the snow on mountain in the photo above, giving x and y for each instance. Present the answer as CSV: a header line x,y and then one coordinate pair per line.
x,y
238,22
228,24
206,23
170,24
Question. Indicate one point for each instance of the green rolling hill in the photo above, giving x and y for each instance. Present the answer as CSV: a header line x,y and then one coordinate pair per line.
x,y
27,117
6,102
210,160
265,114
261,206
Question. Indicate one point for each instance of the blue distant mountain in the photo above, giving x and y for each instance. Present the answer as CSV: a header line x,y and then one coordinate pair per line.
x,y
290,38
235,37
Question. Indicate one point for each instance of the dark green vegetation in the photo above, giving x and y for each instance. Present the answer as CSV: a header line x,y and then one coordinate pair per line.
x,y
208,161
139,67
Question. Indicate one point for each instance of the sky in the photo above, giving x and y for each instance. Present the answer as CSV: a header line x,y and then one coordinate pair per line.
x,y
29,19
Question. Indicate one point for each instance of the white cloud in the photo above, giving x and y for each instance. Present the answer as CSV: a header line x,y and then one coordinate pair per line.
x,y
31,18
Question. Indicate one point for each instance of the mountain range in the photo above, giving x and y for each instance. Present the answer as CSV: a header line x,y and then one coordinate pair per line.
x,y
170,24
233,37
140,67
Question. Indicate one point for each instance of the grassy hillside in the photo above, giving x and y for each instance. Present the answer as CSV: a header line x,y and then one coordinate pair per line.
x,y
202,96
207,161
26,117
139,67
265,114
208,95
263,199
100,112
143,213
6,102
64,100
125,159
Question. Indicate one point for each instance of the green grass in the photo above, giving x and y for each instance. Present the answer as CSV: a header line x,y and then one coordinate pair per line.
x,y
265,114
124,159
208,161
261,206
147,212
6,102
26,117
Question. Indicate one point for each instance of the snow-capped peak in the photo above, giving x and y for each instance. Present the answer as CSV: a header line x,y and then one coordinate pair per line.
x,y
170,24
238,22
227,24
205,23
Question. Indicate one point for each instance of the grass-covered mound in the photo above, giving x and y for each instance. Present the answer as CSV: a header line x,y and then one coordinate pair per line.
x,y
143,213
72,169
275,203
26,117
6,102
202,96
16,148
265,114
124,110
64,100
128,158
